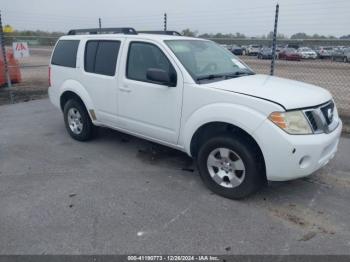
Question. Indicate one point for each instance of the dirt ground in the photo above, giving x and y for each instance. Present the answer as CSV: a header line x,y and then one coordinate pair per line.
x,y
334,76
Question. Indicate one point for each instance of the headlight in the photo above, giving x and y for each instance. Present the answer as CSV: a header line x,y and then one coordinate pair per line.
x,y
293,122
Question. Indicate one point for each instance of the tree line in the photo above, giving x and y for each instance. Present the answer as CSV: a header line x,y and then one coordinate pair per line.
x,y
194,33
189,32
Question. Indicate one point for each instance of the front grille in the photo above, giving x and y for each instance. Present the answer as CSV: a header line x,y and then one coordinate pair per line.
x,y
321,118
328,111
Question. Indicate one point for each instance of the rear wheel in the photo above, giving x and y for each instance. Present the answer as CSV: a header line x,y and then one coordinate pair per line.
x,y
345,59
77,121
230,167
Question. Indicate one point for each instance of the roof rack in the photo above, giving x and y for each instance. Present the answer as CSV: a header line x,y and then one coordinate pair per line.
x,y
160,32
111,30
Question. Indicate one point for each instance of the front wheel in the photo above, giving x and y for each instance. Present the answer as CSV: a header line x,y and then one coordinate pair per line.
x,y
231,167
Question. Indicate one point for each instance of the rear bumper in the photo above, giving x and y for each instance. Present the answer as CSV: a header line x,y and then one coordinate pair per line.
x,y
54,97
289,157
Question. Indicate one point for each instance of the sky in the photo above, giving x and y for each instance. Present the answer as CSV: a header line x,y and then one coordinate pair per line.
x,y
250,17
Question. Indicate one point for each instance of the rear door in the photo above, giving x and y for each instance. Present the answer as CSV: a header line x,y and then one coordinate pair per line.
x,y
98,75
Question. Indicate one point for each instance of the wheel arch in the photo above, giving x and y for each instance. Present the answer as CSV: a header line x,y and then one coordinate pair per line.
x,y
73,90
212,129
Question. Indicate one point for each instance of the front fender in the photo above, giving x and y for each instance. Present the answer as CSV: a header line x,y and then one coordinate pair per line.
x,y
241,116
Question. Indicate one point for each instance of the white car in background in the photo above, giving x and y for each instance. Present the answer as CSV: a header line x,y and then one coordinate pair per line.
x,y
307,53
253,49
193,95
324,52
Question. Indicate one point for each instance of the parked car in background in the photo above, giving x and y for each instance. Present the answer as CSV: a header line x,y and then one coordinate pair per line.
x,y
307,53
341,54
244,49
236,50
265,53
347,55
324,52
253,49
289,54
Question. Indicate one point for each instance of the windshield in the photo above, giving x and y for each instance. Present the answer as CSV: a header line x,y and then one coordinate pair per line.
x,y
207,61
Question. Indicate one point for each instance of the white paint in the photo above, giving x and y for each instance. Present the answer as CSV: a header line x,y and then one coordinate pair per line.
x,y
171,115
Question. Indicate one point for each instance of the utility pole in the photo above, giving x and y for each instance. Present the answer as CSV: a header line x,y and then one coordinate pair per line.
x,y
99,23
272,71
165,21
2,43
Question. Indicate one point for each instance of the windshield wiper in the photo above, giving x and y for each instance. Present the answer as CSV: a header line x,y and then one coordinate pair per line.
x,y
211,76
225,76
238,73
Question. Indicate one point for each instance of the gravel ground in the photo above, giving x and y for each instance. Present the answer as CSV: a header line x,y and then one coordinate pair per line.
x,y
119,194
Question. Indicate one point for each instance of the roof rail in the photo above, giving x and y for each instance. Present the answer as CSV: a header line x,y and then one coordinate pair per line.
x,y
160,32
111,30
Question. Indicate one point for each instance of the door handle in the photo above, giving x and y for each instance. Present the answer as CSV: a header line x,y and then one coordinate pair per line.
x,y
125,89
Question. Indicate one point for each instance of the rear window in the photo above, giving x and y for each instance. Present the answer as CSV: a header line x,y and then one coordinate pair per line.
x,y
65,53
101,57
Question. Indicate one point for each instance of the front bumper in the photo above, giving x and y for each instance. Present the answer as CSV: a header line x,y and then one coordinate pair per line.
x,y
289,157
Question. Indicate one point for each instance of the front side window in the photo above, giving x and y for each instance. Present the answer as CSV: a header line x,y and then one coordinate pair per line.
x,y
65,53
143,56
207,61
101,57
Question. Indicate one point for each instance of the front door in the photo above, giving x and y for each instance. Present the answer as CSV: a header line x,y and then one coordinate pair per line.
x,y
146,107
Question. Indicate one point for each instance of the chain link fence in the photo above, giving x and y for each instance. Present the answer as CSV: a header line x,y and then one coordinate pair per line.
x,y
33,81
330,71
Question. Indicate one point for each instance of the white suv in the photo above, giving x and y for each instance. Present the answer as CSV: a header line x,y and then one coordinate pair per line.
x,y
193,95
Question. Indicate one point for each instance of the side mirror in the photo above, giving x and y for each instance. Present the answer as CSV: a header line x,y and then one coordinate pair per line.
x,y
159,76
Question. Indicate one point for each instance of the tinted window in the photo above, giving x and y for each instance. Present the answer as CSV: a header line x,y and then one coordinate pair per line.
x,y
65,53
101,57
143,56
90,53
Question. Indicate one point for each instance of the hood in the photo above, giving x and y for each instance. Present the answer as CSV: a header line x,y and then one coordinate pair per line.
x,y
288,93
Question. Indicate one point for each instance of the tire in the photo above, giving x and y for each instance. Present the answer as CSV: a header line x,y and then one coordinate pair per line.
x,y
77,121
345,59
247,173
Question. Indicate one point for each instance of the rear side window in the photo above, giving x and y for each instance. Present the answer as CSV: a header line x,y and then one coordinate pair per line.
x,y
101,57
65,53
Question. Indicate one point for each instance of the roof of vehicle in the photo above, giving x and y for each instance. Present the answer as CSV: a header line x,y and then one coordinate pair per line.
x,y
156,37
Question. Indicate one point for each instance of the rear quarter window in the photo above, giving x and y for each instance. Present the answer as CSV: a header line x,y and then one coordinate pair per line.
x,y
65,53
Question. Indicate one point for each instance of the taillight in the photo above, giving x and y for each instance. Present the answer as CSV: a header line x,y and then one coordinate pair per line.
x,y
49,75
